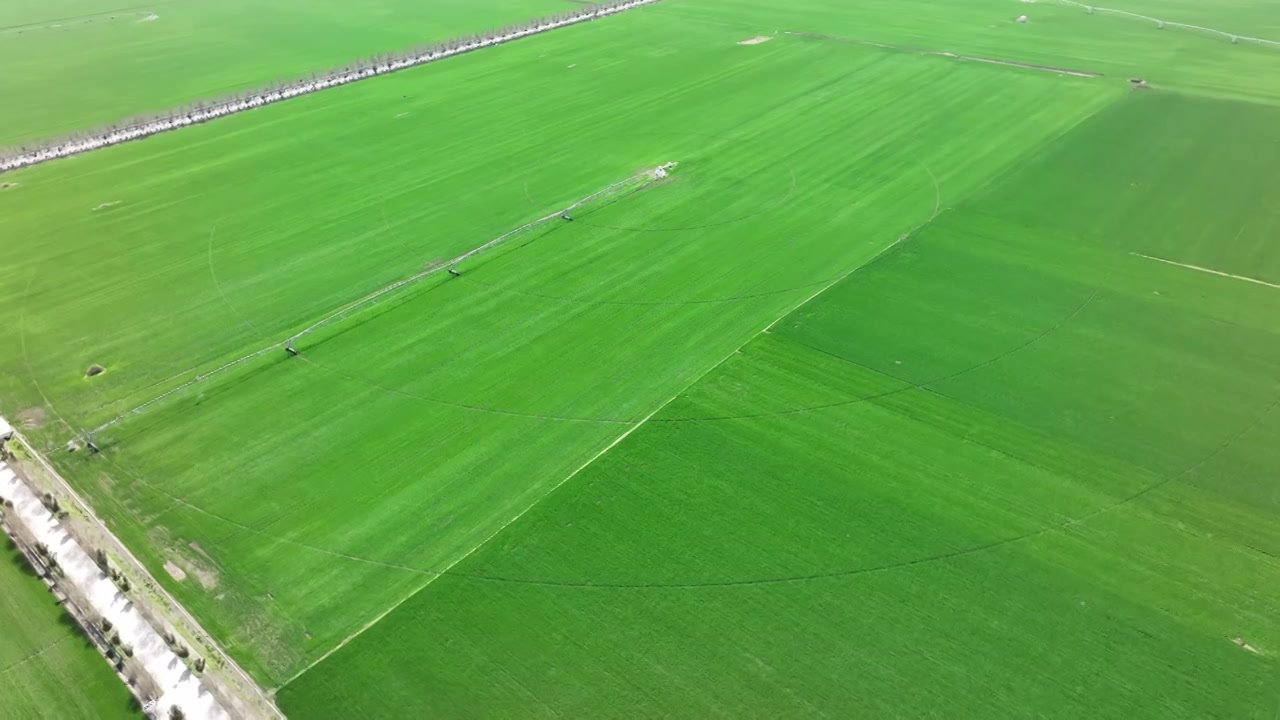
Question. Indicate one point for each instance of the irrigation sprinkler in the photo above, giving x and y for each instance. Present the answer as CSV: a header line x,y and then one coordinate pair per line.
x,y
90,443
567,217
454,272
289,348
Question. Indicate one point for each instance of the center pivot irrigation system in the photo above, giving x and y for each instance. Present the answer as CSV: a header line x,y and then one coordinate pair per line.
x,y
289,345
377,65
1162,24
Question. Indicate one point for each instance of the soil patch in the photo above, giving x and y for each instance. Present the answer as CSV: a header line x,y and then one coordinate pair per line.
x,y
208,579
1246,646
176,572
756,40
196,546
33,418
205,574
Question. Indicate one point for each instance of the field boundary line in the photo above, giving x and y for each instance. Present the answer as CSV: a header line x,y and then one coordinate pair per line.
x,y
1158,483
437,574
940,557
1209,271
378,64
624,435
32,656
946,54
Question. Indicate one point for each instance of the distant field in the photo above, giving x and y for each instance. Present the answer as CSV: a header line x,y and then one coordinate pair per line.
x,y
1007,470
923,386
73,64
48,668
1243,17
1057,35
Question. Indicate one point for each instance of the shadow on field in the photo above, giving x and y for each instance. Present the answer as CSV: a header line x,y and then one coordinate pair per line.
x,y
68,621
18,559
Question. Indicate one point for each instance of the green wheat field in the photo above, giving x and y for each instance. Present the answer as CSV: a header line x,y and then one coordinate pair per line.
x,y
934,381
48,668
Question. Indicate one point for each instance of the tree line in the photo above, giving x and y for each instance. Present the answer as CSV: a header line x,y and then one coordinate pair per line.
x,y
377,64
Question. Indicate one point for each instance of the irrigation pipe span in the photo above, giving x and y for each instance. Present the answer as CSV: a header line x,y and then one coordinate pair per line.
x,y
633,183
637,180
380,65
1233,37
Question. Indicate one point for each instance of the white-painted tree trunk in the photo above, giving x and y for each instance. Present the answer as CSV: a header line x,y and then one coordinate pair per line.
x,y
151,653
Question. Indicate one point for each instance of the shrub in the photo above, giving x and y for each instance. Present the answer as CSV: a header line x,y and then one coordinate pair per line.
x,y
51,503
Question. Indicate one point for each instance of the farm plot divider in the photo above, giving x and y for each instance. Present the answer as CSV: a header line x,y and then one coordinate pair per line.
x,y
380,64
